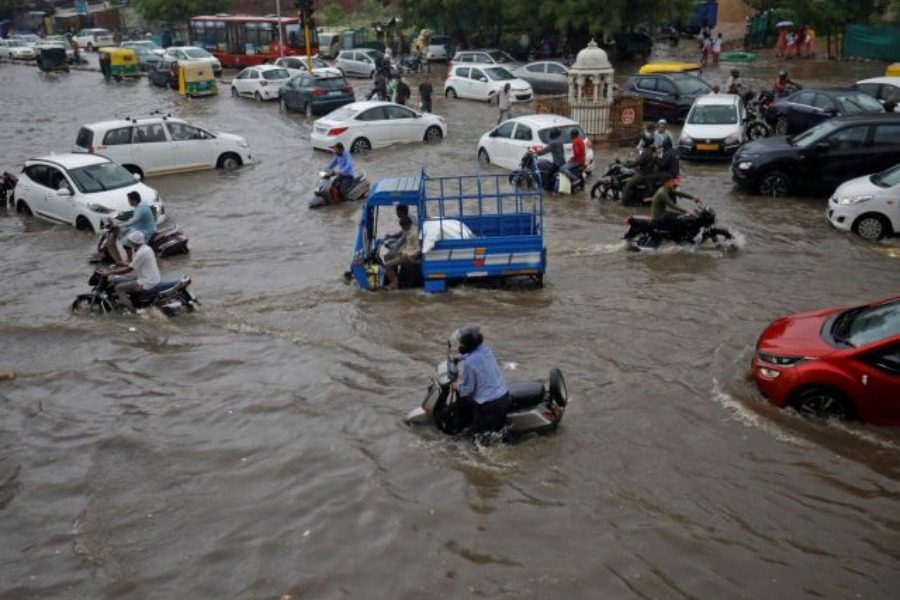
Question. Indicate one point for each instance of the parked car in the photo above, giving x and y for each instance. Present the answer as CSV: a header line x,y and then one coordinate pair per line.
x,y
297,65
81,190
329,43
32,39
438,49
506,144
358,62
147,59
321,92
821,158
164,74
263,82
488,56
93,38
884,89
714,127
666,95
193,53
362,126
545,76
839,362
146,44
484,82
869,206
805,108
160,145
16,50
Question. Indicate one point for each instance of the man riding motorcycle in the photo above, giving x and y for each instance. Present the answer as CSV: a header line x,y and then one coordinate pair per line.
x,y
645,167
664,210
143,220
556,149
481,382
734,85
342,167
141,274
784,85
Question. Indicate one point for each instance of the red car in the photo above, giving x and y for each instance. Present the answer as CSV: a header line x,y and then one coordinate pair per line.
x,y
837,362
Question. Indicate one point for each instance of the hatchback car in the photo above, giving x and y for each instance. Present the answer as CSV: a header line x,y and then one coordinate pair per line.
x,y
545,76
666,95
147,59
358,62
263,82
81,190
321,92
193,53
162,145
164,74
868,206
714,128
16,50
801,110
838,362
297,65
486,57
91,39
506,144
884,89
484,82
821,158
362,126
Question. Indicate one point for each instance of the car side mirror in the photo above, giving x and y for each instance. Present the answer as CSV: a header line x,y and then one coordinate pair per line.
x,y
493,133
63,190
137,176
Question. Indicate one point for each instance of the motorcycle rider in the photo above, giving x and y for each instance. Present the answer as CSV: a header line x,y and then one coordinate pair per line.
x,y
784,85
646,138
555,148
481,381
661,133
342,167
404,250
667,165
142,273
665,214
574,167
142,220
734,85
645,172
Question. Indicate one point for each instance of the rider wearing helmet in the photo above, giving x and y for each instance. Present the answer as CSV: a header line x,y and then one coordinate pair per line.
x,y
481,380
783,84
734,85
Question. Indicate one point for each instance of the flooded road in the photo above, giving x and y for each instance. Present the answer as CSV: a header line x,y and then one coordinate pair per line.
x,y
256,449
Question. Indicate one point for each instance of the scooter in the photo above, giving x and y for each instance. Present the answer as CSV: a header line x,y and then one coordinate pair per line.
x,y
643,234
533,172
322,195
170,296
165,243
535,407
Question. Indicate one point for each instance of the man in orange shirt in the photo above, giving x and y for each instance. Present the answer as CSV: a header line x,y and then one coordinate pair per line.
x,y
575,166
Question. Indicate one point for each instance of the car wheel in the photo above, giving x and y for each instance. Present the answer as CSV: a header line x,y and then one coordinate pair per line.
x,y
23,208
234,92
450,93
483,156
433,134
775,183
823,403
257,97
781,126
360,146
872,227
82,224
230,162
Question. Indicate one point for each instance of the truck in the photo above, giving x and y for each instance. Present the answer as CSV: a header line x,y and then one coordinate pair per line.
x,y
471,228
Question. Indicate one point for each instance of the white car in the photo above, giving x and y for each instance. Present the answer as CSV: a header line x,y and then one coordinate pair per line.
x,y
506,144
359,62
714,127
94,38
438,48
175,53
884,89
31,39
484,82
263,82
81,190
362,126
162,145
16,50
868,206
296,65
489,56
149,45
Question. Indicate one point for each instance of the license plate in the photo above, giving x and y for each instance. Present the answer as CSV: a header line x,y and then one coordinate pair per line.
x,y
706,147
335,93
321,130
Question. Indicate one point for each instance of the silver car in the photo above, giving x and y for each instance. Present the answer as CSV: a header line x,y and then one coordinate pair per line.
x,y
545,77
358,62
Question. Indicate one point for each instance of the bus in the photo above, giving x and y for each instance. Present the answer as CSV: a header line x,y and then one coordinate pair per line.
x,y
243,41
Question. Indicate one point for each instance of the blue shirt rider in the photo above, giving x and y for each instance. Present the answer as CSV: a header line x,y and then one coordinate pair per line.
x,y
142,220
342,167
482,382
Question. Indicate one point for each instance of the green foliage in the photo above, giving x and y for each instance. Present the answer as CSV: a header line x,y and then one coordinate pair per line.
x,y
180,11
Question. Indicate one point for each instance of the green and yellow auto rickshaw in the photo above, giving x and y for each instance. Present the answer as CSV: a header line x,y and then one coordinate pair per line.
x,y
196,78
52,58
117,63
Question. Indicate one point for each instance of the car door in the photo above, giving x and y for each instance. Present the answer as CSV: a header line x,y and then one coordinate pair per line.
x,y
823,109
35,189
522,139
499,145
116,145
251,82
192,147
480,88
843,155
293,92
799,110
667,97
534,74
359,63
645,87
880,380
406,126
374,125
557,77
461,81
60,199
885,146
150,148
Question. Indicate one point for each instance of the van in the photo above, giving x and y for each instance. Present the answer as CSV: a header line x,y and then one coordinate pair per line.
x,y
329,44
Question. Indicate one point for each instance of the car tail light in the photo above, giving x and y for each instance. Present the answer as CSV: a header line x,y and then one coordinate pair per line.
x,y
264,83
337,130
317,92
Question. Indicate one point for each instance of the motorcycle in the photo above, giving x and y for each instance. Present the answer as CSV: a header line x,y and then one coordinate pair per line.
x,y
8,183
412,63
612,183
170,296
551,178
165,243
758,107
643,234
322,194
535,407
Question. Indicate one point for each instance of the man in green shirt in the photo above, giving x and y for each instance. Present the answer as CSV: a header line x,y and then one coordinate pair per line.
x,y
664,210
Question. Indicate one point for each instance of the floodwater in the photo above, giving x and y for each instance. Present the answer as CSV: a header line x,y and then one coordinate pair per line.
x,y
256,449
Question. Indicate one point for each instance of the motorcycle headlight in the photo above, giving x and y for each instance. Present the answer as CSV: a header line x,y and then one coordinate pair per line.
x,y
744,165
734,138
781,360
99,208
847,200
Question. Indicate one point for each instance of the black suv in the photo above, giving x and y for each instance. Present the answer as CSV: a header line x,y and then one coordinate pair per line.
x,y
666,95
821,158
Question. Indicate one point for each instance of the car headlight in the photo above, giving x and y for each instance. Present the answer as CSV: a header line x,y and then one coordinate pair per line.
x,y
744,165
854,199
685,138
769,373
734,138
99,208
781,360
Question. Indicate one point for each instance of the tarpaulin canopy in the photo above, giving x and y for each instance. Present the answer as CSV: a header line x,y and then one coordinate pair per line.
x,y
878,43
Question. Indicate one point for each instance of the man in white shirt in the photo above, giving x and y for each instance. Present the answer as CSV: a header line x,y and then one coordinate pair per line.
x,y
141,274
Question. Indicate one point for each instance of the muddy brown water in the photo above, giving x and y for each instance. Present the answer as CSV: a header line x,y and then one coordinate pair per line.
x,y
256,449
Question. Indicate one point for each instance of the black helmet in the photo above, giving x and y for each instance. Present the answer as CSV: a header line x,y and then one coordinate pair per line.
x,y
782,74
735,73
467,338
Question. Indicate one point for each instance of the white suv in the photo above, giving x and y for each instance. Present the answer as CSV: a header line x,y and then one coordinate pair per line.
x,y
81,190
484,82
162,145
91,39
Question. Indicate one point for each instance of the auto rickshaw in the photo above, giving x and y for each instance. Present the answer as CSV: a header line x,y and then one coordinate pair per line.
x,y
118,63
53,59
195,78
893,70
670,67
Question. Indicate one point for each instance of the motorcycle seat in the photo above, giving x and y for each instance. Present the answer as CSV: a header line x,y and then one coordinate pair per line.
x,y
525,394
163,286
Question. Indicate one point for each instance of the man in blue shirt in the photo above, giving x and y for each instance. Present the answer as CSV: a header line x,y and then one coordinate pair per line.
x,y
142,220
482,382
342,166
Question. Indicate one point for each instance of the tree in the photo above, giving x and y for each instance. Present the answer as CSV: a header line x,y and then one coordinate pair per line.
x,y
180,11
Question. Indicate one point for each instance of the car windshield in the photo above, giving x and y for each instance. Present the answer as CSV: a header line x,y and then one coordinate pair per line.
x,y
276,74
342,114
860,326
713,115
813,134
197,53
101,177
29,37
888,178
565,130
858,103
690,86
16,44
439,40
498,56
499,74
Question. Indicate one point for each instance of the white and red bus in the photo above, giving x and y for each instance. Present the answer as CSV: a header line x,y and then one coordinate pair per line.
x,y
242,41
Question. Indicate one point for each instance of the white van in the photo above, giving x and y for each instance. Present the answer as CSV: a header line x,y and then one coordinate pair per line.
x,y
329,44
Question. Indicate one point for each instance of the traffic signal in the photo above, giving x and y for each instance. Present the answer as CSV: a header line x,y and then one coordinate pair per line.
x,y
305,5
